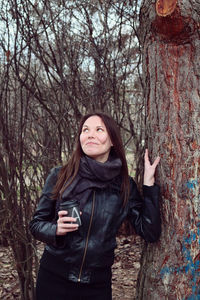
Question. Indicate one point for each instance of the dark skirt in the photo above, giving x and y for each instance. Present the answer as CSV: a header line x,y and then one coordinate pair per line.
x,y
52,287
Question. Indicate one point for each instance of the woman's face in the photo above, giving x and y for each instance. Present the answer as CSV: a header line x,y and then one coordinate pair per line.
x,y
94,139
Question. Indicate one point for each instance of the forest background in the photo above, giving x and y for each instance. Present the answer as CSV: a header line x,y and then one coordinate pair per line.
x,y
140,63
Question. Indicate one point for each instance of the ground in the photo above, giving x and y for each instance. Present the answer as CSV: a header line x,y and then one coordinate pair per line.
x,y
126,267
125,270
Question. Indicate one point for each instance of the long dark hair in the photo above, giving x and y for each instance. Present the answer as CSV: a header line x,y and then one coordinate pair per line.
x,y
69,171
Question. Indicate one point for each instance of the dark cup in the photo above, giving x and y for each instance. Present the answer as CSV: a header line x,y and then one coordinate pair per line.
x,y
72,207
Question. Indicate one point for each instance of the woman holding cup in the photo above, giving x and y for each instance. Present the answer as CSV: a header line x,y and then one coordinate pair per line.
x,y
79,252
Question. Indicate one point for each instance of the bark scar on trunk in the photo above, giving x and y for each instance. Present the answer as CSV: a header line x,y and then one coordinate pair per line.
x,y
165,7
170,26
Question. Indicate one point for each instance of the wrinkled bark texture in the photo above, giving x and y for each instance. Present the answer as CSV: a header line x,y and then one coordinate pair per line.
x,y
170,35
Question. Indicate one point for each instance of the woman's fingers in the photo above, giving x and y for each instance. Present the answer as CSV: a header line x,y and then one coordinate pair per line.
x,y
67,220
62,217
65,224
63,228
62,213
149,169
147,162
156,162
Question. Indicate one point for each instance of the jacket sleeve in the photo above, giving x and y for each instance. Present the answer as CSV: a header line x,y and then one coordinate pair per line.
x,y
144,214
43,226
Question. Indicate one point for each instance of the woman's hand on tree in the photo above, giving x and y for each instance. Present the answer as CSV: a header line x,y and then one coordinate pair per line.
x,y
64,224
149,170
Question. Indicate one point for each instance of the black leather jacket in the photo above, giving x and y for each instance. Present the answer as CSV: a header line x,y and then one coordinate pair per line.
x,y
92,246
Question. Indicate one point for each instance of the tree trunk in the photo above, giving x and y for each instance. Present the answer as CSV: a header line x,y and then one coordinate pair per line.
x,y
169,31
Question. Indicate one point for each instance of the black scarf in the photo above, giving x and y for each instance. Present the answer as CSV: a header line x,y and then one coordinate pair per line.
x,y
92,174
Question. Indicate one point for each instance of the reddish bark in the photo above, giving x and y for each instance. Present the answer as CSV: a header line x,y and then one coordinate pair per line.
x,y
170,269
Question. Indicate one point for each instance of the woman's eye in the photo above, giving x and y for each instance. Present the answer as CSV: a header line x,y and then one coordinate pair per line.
x,y
99,129
85,129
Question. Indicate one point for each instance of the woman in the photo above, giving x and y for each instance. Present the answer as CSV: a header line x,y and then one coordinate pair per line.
x,y
76,263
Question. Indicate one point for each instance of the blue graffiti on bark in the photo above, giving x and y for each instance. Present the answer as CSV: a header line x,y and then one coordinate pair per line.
x,y
191,184
193,297
191,267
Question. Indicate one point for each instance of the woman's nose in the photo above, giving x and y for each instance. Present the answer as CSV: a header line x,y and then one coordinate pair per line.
x,y
91,134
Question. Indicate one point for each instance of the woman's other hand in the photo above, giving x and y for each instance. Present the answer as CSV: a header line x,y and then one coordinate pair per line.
x,y
64,224
149,170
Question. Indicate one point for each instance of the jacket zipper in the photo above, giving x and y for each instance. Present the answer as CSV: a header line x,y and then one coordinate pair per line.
x,y
87,239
